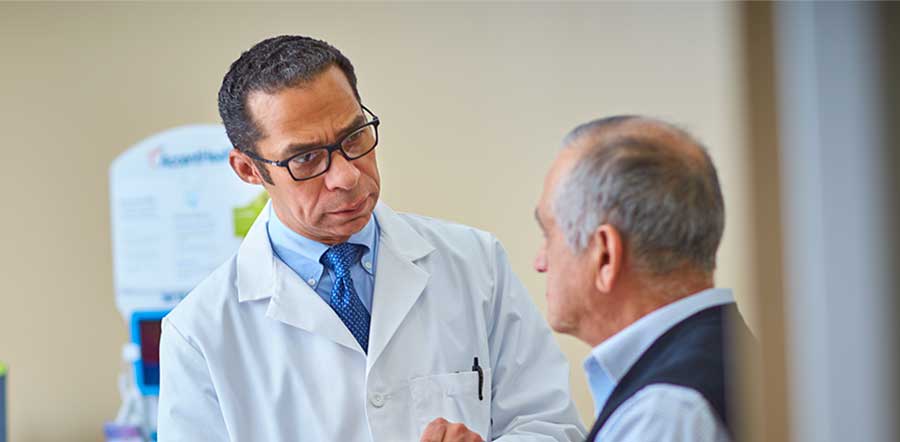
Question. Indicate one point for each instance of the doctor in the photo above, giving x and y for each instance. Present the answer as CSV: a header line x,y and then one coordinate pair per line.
x,y
339,319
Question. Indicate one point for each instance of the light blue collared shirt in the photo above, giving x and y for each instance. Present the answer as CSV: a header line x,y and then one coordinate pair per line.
x,y
658,412
302,255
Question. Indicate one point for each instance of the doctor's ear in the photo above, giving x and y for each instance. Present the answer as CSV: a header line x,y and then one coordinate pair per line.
x,y
608,253
244,168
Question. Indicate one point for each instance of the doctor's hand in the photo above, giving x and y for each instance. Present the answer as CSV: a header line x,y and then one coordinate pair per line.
x,y
439,430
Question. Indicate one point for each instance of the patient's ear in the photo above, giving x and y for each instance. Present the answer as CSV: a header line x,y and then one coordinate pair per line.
x,y
243,166
608,252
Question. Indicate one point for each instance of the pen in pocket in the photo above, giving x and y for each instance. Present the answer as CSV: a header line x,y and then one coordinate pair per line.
x,y
476,367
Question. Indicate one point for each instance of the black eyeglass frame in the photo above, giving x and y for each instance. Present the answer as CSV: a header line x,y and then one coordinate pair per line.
x,y
375,122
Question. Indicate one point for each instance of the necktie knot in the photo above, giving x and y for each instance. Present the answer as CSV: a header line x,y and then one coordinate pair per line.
x,y
340,258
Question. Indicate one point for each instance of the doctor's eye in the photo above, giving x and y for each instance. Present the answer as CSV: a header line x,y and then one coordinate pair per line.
x,y
307,157
354,137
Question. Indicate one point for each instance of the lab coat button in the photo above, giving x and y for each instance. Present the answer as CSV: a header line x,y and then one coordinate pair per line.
x,y
377,400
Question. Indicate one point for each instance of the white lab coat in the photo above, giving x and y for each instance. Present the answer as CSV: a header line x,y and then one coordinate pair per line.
x,y
253,354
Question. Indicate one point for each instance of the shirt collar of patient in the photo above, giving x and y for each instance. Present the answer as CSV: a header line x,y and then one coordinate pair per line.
x,y
305,253
610,361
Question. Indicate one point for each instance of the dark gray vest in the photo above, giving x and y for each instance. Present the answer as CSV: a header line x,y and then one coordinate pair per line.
x,y
696,353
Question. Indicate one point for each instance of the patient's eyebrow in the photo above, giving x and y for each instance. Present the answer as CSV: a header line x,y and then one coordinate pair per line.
x,y
537,218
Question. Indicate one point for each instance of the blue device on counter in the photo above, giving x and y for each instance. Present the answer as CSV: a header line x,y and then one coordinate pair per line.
x,y
146,328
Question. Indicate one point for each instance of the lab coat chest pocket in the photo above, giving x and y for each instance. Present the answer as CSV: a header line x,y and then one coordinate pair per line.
x,y
454,397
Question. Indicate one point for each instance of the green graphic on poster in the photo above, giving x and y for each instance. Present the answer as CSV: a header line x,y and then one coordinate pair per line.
x,y
245,215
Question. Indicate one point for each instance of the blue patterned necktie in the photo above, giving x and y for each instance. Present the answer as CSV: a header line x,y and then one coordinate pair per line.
x,y
344,300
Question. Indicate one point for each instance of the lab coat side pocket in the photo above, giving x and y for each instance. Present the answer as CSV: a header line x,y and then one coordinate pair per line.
x,y
454,397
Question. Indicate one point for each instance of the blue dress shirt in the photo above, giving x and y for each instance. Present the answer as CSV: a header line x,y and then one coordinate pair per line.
x,y
661,412
302,255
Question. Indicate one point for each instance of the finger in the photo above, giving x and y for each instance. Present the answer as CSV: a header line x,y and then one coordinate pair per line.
x,y
472,436
456,431
435,431
460,433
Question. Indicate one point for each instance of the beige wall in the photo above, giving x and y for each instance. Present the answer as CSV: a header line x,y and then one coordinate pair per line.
x,y
474,99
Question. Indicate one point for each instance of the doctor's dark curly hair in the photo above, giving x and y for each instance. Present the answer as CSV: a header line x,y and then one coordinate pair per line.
x,y
271,66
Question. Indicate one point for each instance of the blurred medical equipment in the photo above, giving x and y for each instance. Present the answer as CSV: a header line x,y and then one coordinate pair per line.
x,y
178,211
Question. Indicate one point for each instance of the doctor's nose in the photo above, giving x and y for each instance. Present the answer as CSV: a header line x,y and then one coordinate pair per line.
x,y
342,174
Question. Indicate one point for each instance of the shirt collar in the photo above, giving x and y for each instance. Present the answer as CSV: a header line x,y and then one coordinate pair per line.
x,y
616,355
302,254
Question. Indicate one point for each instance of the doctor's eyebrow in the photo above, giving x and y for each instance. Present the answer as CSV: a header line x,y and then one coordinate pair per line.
x,y
295,148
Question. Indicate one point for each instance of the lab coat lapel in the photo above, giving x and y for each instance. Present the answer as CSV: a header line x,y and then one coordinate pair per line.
x,y
261,275
399,281
296,304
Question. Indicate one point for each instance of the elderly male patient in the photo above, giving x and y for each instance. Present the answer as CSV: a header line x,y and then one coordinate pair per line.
x,y
632,215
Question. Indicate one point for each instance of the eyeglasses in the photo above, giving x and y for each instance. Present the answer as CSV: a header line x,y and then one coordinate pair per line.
x,y
315,161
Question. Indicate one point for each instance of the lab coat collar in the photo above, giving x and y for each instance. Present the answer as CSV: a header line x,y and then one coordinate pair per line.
x,y
255,266
405,241
398,283
261,275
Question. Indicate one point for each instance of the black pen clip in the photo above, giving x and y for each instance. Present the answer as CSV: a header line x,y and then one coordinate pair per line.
x,y
476,367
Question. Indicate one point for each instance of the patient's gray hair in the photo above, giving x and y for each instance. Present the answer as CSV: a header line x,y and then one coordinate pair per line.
x,y
653,182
